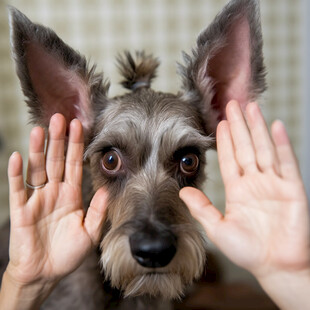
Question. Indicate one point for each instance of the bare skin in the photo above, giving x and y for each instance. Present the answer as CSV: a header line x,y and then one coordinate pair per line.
x,y
265,228
50,234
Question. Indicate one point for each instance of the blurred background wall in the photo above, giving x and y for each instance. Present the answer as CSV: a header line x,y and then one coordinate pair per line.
x,y
102,28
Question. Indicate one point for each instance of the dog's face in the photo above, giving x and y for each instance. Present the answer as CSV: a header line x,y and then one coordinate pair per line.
x,y
145,146
148,146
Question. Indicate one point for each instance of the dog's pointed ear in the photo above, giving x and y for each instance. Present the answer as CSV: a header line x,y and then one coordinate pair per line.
x,y
54,77
227,62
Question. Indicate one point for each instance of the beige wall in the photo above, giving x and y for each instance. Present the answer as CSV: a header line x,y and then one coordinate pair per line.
x,y
100,29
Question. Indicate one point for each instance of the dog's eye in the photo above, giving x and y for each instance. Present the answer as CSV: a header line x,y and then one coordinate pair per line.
x,y
189,164
111,162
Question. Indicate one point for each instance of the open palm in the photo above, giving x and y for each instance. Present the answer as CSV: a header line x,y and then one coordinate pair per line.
x,y
50,234
266,223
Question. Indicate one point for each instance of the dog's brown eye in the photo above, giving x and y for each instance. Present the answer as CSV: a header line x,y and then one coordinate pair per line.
x,y
111,162
189,164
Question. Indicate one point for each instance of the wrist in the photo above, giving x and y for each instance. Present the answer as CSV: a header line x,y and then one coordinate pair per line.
x,y
16,294
288,289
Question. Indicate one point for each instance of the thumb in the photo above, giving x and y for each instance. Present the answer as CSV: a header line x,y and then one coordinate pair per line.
x,y
202,209
96,215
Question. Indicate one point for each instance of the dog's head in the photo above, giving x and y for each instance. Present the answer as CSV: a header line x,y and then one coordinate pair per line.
x,y
144,146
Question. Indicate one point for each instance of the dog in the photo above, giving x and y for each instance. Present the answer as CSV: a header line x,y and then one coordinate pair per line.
x,y
143,146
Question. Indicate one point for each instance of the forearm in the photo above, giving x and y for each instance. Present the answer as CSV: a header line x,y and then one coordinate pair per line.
x,y
289,290
14,295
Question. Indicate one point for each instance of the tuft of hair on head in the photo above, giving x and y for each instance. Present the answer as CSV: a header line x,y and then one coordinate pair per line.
x,y
138,71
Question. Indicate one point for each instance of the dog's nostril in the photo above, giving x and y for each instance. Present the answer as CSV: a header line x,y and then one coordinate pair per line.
x,y
153,250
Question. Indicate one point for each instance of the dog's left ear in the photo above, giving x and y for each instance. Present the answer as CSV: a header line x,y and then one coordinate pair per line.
x,y
227,62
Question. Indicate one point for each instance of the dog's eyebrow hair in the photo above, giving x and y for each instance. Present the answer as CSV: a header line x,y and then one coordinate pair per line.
x,y
184,136
120,140
181,136
199,141
110,140
114,140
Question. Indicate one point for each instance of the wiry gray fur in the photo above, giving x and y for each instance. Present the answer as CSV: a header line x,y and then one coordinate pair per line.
x,y
150,131
138,72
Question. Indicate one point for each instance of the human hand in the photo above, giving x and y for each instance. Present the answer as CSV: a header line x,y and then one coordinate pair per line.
x,y
50,234
265,228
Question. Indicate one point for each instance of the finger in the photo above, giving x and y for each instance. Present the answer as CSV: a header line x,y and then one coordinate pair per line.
x,y
202,209
36,174
226,153
287,160
264,148
95,215
241,137
74,158
55,148
16,181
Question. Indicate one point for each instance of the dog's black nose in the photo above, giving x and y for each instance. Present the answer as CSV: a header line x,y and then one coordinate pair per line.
x,y
152,248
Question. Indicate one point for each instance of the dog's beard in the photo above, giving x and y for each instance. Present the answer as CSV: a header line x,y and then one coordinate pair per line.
x,y
166,285
169,282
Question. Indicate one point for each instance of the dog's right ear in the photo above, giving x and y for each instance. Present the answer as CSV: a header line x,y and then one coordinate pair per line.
x,y
54,77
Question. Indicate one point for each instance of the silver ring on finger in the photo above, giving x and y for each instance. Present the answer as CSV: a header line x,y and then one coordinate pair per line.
x,y
34,187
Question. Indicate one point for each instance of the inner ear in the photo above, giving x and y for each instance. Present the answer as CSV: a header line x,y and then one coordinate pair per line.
x,y
227,62
54,77
59,89
230,68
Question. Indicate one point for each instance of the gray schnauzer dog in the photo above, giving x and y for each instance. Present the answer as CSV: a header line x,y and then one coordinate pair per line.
x,y
143,146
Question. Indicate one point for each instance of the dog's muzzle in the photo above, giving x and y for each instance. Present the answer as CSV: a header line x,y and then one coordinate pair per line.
x,y
152,247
